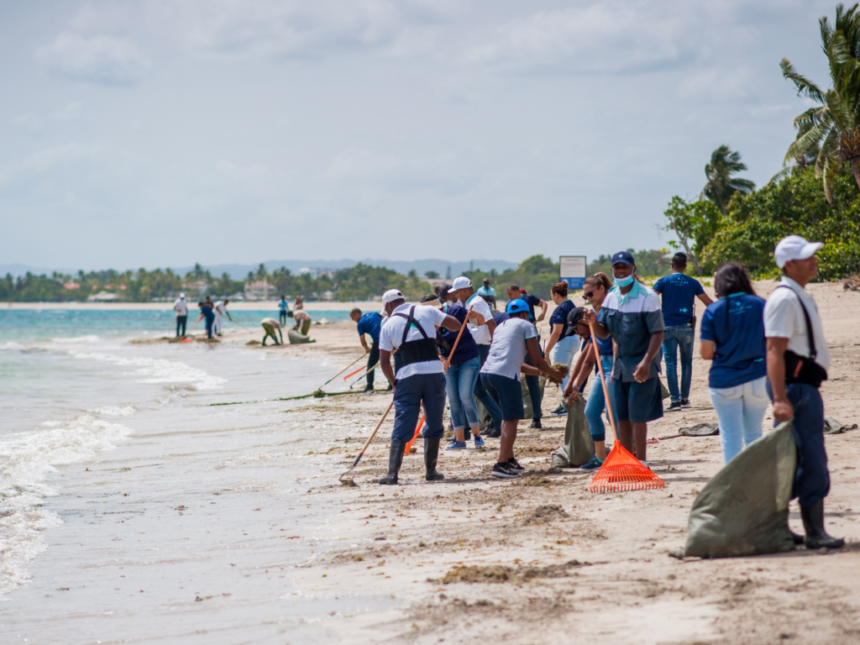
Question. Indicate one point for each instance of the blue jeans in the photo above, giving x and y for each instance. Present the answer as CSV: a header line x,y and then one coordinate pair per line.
x,y
563,353
597,403
409,394
460,385
811,479
483,396
679,337
740,410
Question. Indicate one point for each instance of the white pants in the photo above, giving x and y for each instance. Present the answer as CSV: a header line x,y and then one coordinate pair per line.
x,y
216,326
740,410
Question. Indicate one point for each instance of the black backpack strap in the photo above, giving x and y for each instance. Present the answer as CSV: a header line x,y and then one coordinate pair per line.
x,y
410,321
813,353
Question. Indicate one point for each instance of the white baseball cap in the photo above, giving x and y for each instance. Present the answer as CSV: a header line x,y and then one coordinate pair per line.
x,y
391,295
794,247
182,296
461,283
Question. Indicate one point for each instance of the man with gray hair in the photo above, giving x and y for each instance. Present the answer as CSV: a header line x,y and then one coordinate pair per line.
x,y
797,363
411,330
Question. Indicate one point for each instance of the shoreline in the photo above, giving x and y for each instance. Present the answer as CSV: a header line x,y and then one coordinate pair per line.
x,y
235,305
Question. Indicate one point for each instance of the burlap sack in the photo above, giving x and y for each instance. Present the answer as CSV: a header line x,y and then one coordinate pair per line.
x,y
578,446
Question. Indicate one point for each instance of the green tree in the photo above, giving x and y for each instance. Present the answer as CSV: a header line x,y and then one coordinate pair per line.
x,y
431,275
694,224
721,185
833,125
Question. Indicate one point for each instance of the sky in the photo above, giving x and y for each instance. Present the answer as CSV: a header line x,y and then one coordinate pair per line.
x,y
167,132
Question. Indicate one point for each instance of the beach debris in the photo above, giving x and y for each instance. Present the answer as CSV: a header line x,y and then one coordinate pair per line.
x,y
319,394
367,443
498,573
349,482
832,426
546,513
700,430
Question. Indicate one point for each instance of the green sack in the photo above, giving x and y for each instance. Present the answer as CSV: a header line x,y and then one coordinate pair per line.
x,y
743,510
578,445
664,391
296,338
527,399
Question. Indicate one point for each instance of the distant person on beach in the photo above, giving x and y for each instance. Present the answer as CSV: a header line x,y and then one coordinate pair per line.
x,y
411,330
513,340
733,338
181,309
207,313
679,293
270,325
368,324
283,310
487,292
562,347
532,382
302,318
220,309
797,362
630,314
299,304
481,327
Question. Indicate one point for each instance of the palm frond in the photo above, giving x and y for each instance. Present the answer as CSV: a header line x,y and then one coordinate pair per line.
x,y
804,86
807,140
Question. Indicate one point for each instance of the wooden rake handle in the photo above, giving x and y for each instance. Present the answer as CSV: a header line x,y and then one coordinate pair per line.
x,y
343,370
603,381
459,335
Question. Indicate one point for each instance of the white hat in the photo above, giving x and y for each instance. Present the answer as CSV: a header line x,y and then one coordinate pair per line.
x,y
182,296
461,283
794,247
391,295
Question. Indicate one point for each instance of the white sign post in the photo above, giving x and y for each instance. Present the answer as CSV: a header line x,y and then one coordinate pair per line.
x,y
572,270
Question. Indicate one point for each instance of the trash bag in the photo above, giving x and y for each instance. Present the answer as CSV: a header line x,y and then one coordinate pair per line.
x,y
578,445
296,338
743,510
527,399
664,391
700,430
832,426
484,416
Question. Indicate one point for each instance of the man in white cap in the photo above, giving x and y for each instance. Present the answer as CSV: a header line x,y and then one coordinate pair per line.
x,y
219,310
481,326
411,331
797,363
181,309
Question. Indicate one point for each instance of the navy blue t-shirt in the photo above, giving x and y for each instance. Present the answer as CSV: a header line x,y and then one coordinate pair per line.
x,y
735,324
559,316
500,317
370,323
467,348
207,312
679,293
532,302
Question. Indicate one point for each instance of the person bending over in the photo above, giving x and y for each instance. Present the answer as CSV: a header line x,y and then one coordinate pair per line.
x,y
513,340
631,315
368,324
270,325
303,320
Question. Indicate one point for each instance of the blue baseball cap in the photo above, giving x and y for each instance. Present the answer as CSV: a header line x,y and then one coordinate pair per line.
x,y
623,257
517,306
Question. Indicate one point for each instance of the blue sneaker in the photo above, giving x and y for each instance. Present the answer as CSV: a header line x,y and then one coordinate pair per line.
x,y
592,464
456,445
479,442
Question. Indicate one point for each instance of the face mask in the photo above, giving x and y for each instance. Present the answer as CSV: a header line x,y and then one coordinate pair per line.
x,y
623,282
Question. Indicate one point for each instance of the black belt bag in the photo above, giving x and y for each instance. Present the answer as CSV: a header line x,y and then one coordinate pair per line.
x,y
802,369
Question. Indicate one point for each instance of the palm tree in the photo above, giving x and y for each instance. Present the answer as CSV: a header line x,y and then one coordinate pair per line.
x,y
721,185
833,124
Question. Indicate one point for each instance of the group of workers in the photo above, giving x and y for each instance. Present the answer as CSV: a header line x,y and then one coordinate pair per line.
x,y
211,313
761,351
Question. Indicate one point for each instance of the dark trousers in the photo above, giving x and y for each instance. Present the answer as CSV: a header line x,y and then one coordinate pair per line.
x,y
811,479
282,317
180,325
483,396
533,384
409,393
372,359
209,323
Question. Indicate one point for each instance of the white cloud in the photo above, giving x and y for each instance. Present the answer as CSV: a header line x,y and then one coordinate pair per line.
x,y
74,111
48,158
98,59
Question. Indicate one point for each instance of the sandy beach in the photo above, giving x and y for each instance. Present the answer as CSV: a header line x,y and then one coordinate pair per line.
x,y
468,559
235,305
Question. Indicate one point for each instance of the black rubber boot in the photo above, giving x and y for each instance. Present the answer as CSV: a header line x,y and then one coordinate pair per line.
x,y
813,524
395,460
431,455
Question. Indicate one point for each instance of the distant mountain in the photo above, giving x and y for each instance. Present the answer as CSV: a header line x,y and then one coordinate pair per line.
x,y
239,271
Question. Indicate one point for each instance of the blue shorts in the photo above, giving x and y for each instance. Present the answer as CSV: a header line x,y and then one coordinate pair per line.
x,y
508,393
637,402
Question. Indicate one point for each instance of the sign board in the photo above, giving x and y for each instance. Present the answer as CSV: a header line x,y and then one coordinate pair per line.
x,y
572,270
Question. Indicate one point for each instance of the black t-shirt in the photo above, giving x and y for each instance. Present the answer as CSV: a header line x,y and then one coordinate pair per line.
x,y
532,302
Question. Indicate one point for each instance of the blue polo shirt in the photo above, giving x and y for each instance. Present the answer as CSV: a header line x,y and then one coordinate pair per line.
x,y
467,348
735,325
559,316
679,293
370,323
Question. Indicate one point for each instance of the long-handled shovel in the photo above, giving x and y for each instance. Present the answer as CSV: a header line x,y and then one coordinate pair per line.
x,y
350,482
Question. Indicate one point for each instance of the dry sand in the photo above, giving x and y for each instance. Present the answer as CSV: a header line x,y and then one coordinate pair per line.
x,y
540,559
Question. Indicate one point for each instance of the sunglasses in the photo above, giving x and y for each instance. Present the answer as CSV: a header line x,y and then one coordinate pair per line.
x,y
588,294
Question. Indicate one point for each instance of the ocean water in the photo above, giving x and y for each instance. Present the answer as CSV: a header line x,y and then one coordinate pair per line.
x,y
131,510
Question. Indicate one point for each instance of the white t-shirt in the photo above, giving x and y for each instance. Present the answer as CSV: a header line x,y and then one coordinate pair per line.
x,y
181,307
479,305
271,321
783,318
391,336
508,349
220,308
301,315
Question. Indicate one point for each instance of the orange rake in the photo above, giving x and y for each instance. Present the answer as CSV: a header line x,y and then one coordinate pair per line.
x,y
414,437
621,471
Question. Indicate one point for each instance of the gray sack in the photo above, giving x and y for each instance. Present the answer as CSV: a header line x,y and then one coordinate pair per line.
x,y
527,399
578,445
297,338
743,510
